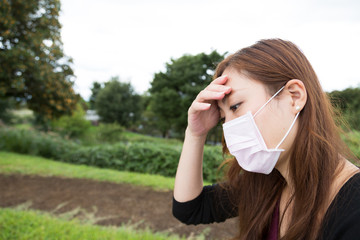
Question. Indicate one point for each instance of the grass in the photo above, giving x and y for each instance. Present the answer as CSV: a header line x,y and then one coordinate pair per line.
x,y
13,163
24,126
136,137
24,225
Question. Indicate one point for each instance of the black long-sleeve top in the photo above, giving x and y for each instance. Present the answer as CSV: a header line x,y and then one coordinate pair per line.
x,y
341,221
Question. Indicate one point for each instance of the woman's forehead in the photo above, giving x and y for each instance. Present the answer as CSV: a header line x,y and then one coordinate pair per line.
x,y
239,81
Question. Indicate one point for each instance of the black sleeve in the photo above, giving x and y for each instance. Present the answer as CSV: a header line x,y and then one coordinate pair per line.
x,y
212,205
342,222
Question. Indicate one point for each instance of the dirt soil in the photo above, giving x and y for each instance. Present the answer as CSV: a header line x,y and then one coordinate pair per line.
x,y
104,203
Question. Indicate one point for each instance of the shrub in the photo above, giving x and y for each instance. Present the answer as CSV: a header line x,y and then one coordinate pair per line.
x,y
34,143
111,132
101,156
73,126
156,157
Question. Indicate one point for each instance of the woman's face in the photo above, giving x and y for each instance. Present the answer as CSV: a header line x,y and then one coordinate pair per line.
x,y
246,95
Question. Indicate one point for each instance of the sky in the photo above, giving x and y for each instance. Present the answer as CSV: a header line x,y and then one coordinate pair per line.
x,y
134,39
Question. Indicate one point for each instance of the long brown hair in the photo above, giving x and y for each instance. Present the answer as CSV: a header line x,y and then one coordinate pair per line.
x,y
314,155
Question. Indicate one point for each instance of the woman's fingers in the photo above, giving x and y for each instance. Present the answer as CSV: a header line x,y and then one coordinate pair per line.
x,y
220,80
218,88
218,85
213,92
199,106
206,95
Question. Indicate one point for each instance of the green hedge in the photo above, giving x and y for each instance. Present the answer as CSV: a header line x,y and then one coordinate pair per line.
x,y
145,157
34,143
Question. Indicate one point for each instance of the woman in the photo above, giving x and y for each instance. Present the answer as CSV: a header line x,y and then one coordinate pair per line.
x,y
289,178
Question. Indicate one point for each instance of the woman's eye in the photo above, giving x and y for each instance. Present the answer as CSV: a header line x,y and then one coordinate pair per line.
x,y
235,107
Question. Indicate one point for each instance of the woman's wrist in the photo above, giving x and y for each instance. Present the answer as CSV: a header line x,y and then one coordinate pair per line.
x,y
194,137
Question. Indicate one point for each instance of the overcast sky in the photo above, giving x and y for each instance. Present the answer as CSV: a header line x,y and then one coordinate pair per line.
x,y
133,39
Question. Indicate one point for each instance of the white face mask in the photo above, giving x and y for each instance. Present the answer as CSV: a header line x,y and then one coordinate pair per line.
x,y
246,144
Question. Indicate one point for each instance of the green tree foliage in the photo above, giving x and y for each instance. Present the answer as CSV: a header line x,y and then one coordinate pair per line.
x,y
348,102
148,118
33,66
95,89
5,106
173,91
118,102
73,126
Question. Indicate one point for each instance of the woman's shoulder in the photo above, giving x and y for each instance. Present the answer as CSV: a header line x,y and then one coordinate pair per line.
x,y
343,216
348,197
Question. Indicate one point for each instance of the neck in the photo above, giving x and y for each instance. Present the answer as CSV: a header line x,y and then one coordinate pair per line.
x,y
283,167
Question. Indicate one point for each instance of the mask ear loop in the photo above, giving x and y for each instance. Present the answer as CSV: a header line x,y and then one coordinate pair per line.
x,y
288,131
269,100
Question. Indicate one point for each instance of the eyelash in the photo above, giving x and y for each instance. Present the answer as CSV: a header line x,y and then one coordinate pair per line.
x,y
235,107
232,108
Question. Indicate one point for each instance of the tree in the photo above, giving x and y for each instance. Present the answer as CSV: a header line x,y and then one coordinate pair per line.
x,y
148,119
94,92
34,68
5,106
118,102
173,91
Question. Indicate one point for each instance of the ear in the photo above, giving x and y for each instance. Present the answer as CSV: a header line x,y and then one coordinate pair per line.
x,y
298,94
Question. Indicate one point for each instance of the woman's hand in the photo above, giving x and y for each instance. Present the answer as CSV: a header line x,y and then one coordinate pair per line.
x,y
203,113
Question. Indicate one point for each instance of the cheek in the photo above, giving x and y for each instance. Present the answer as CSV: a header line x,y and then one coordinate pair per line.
x,y
270,130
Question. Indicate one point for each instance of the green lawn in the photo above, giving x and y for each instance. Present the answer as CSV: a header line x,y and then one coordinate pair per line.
x,y
20,224
26,225
13,163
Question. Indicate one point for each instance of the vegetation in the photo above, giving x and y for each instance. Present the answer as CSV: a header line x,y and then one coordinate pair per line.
x,y
352,140
73,126
13,163
110,133
34,68
348,104
24,225
117,102
153,157
173,91
95,89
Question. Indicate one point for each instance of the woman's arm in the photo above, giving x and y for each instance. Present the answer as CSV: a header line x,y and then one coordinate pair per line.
x,y
189,176
203,115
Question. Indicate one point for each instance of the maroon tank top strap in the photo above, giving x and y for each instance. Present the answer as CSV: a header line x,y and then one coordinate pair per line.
x,y
274,226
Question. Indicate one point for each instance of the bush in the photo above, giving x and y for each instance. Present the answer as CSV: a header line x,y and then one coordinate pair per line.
x,y
73,126
101,156
34,143
156,157
110,132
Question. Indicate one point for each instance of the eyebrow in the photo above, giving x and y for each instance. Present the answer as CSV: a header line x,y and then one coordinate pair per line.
x,y
232,91
226,96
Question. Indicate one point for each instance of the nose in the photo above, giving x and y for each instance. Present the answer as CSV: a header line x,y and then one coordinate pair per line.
x,y
229,116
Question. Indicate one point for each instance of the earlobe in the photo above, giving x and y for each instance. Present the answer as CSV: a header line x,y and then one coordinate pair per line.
x,y
298,94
